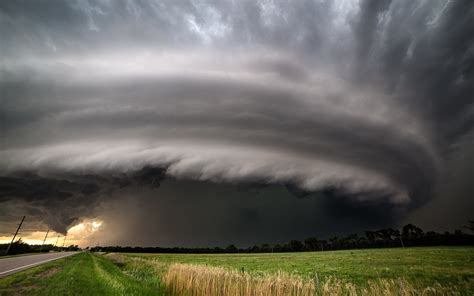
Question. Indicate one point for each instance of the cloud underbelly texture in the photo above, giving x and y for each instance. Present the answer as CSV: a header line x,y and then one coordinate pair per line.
x,y
241,123
365,99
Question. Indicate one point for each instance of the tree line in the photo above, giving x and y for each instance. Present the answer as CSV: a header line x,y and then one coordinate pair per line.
x,y
20,247
409,236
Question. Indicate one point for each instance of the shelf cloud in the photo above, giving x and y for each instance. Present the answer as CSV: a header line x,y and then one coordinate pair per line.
x,y
367,103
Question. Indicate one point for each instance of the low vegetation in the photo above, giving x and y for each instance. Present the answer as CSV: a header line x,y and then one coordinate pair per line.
x,y
20,247
409,271
425,266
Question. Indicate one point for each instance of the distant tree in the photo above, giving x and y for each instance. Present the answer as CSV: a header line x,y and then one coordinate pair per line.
x,y
370,235
265,248
350,241
362,242
311,244
412,231
432,238
296,246
231,249
278,248
254,249
72,248
19,247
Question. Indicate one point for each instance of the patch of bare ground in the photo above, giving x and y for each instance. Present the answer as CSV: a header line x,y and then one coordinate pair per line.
x,y
24,290
47,273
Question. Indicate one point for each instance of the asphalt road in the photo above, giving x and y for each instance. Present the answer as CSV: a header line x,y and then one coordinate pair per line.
x,y
14,264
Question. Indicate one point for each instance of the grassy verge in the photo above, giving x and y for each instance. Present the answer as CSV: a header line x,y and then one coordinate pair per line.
x,y
82,274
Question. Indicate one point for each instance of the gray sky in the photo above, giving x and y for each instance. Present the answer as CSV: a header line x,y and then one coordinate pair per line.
x,y
225,116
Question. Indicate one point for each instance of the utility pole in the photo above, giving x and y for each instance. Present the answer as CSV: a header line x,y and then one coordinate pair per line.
x,y
400,237
56,244
18,229
64,242
44,239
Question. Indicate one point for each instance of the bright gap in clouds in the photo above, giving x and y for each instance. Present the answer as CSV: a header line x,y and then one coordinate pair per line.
x,y
82,234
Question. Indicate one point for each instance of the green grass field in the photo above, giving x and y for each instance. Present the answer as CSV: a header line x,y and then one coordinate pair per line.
x,y
445,265
142,274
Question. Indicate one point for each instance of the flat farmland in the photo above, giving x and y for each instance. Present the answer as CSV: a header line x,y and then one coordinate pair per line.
x,y
409,271
424,265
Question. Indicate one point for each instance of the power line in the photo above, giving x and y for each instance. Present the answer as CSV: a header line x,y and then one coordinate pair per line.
x,y
44,239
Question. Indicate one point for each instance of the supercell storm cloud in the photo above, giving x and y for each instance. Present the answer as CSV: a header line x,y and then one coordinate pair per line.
x,y
369,103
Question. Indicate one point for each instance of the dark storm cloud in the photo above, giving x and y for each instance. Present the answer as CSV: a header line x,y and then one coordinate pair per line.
x,y
359,101
179,214
61,200
56,202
